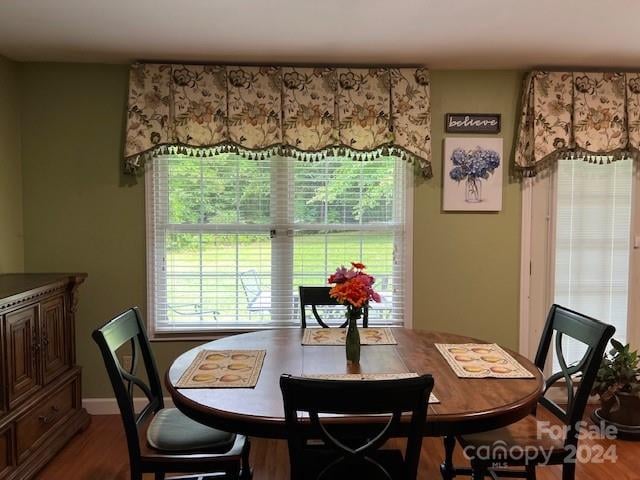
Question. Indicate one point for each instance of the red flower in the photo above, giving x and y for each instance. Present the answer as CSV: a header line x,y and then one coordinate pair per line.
x,y
353,286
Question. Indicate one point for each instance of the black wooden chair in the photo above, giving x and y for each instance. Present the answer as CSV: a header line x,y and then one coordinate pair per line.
x,y
319,296
501,448
338,458
174,443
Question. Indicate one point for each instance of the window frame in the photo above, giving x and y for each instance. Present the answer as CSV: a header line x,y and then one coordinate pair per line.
x,y
211,334
537,263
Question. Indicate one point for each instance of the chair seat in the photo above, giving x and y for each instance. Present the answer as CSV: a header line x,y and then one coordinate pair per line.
x,y
315,461
525,435
172,431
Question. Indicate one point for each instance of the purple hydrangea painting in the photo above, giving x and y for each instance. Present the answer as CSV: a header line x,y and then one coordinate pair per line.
x,y
473,174
473,166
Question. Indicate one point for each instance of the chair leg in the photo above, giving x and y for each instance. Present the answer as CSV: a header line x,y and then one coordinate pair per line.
x,y
447,469
479,471
136,474
569,471
531,472
245,472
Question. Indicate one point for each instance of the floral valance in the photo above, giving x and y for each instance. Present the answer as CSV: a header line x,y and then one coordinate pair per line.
x,y
307,113
587,115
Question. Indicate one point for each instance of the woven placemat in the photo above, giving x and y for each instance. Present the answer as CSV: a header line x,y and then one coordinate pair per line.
x,y
370,376
337,336
481,360
223,369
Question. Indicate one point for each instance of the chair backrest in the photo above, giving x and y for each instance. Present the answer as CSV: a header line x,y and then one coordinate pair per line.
x,y
251,285
127,331
354,397
319,296
595,335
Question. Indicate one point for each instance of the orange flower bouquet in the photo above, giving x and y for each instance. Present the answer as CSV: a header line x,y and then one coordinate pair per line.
x,y
354,288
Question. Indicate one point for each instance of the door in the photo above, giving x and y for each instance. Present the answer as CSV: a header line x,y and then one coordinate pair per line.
x,y
22,353
54,339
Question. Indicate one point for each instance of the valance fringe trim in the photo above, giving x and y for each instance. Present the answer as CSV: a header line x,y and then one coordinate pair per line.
x,y
135,164
596,158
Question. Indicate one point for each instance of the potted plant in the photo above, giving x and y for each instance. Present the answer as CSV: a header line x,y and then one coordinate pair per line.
x,y
618,385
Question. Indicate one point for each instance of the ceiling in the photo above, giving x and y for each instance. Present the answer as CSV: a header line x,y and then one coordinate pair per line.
x,y
436,33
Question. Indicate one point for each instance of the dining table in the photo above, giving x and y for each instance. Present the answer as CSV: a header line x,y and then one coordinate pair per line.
x,y
465,405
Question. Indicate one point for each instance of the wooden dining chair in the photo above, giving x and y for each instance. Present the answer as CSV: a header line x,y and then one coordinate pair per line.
x,y
502,447
338,458
319,296
174,443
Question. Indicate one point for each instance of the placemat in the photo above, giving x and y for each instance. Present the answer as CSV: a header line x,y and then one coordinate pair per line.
x,y
480,360
370,376
337,336
223,369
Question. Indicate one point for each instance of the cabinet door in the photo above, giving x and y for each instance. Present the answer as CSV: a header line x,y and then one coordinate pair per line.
x,y
54,339
22,364
6,451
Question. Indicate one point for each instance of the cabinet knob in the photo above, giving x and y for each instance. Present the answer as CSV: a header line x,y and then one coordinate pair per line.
x,y
47,419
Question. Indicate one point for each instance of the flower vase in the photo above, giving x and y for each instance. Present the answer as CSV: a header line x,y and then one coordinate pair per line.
x,y
473,192
353,336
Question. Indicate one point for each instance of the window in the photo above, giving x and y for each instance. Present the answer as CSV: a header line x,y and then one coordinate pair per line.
x,y
592,243
581,253
231,239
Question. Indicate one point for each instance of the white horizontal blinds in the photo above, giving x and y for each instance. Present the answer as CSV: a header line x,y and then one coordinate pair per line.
x,y
352,211
213,262
592,248
233,238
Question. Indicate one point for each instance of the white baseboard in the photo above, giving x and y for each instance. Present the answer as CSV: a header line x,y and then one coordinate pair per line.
x,y
109,406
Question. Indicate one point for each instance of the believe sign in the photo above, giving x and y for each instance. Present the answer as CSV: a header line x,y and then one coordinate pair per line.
x,y
472,123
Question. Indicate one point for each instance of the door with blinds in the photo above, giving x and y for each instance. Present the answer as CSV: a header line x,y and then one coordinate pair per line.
x,y
579,225
593,230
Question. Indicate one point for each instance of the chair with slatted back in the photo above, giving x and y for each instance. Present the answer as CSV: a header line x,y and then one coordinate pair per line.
x,y
319,296
307,401
174,443
258,300
499,446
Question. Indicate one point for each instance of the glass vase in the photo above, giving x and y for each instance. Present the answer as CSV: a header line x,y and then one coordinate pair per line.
x,y
473,192
352,342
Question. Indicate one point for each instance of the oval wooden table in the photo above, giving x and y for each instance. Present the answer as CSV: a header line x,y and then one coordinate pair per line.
x,y
466,405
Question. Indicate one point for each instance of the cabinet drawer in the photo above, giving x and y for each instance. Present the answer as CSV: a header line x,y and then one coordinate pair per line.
x,y
32,428
6,456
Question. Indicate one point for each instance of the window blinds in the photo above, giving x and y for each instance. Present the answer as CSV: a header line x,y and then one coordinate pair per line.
x,y
593,230
231,239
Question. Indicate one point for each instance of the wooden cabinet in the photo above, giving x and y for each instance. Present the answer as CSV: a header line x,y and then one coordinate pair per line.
x,y
40,389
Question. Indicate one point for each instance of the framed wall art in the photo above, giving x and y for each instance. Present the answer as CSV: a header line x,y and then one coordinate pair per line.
x,y
472,174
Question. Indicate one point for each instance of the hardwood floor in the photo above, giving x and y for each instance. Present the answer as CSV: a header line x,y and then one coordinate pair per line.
x,y
100,453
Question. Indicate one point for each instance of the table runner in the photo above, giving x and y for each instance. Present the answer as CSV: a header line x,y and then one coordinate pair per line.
x,y
370,376
223,369
481,360
337,336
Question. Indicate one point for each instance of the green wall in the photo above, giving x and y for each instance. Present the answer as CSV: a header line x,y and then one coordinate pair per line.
x,y
82,214
11,240
467,265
